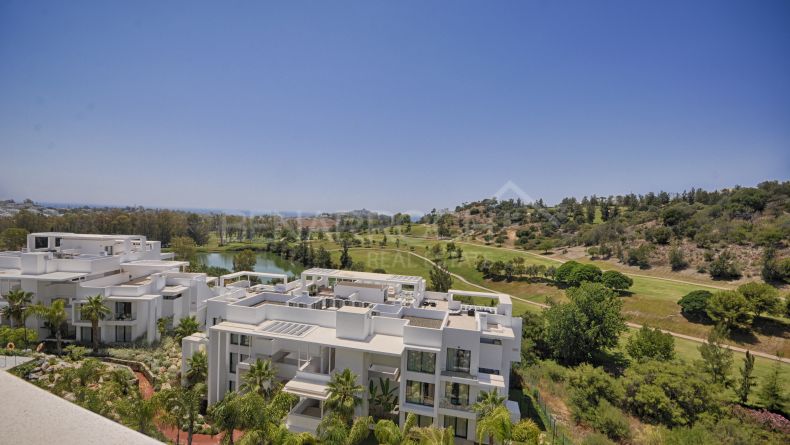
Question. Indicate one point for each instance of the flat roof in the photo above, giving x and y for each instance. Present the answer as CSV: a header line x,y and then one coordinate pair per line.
x,y
377,343
156,263
355,310
33,415
52,276
353,275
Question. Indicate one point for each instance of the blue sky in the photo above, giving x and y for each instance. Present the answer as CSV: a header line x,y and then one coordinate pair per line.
x,y
394,106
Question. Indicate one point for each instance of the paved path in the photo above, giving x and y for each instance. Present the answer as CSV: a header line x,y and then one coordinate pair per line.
x,y
8,362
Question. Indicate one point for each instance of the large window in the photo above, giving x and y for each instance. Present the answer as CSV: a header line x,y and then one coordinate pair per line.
x,y
458,360
419,361
123,310
424,421
234,339
459,425
245,340
420,393
123,334
456,393
234,359
41,242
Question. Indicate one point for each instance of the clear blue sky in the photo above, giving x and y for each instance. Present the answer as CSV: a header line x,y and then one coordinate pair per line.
x,y
403,105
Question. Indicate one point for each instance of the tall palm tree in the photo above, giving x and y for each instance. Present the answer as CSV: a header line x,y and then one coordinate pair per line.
x,y
198,368
260,378
334,430
387,432
344,394
267,422
497,425
430,435
55,315
95,310
190,401
186,327
172,413
487,402
18,307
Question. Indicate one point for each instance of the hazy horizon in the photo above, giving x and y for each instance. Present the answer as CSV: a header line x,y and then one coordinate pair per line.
x,y
403,106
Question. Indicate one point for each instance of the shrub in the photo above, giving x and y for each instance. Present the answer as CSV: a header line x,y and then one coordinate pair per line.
x,y
652,344
676,259
659,235
694,305
526,431
596,439
16,336
762,297
673,394
616,280
611,421
731,309
588,387
639,256
724,267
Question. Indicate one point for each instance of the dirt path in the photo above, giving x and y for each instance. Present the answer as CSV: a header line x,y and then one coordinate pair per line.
x,y
147,391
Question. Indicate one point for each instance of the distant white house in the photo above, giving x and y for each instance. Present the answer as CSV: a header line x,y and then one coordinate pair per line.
x,y
140,283
438,353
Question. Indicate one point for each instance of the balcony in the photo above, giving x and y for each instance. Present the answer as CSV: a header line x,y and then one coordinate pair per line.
x,y
305,416
461,374
456,404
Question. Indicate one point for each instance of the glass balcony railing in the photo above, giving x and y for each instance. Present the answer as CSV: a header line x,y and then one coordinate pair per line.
x,y
455,403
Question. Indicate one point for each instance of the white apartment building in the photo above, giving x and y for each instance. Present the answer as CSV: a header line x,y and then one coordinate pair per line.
x,y
140,283
437,352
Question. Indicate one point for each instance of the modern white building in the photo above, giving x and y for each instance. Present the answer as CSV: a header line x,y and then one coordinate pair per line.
x,y
140,283
437,352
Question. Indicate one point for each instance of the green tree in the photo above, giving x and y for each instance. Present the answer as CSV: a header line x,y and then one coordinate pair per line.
x,y
616,280
190,401
431,435
334,430
260,378
731,309
244,261
161,325
588,386
762,298
487,402
197,229
233,412
772,390
747,381
17,308
497,425
345,258
184,247
186,327
651,344
55,315
724,267
388,432
441,279
588,324
676,259
197,368
344,394
694,305
670,393
138,413
95,310
13,238
716,358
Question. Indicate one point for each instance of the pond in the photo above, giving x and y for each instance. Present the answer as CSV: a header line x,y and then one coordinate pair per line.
x,y
267,262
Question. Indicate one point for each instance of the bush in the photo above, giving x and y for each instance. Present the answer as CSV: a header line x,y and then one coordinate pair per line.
x,y
731,309
596,439
762,297
673,394
694,305
16,336
676,259
611,421
659,235
639,256
724,267
588,387
616,280
651,344
573,273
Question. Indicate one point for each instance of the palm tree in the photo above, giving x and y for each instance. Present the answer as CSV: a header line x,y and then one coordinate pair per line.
x,y
260,378
344,394
161,326
18,307
430,435
387,432
172,413
55,315
198,368
487,402
95,310
334,430
231,413
190,401
497,425
267,423
186,327
383,396
139,413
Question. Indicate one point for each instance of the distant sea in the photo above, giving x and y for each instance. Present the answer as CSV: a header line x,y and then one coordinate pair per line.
x,y
75,205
